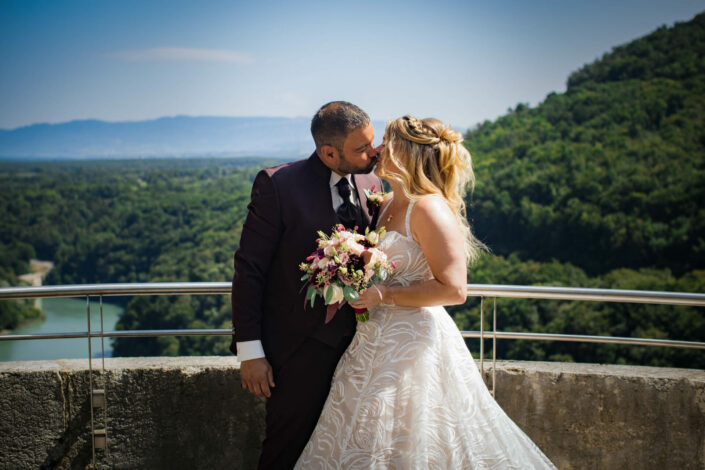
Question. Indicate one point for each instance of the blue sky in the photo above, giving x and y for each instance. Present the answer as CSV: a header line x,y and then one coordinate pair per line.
x,y
460,61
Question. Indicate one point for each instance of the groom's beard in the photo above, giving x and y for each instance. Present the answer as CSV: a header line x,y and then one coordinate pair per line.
x,y
348,168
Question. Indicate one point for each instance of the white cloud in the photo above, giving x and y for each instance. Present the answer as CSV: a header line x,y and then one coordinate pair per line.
x,y
184,54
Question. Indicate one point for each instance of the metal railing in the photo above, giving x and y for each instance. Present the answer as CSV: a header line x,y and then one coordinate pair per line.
x,y
98,396
474,290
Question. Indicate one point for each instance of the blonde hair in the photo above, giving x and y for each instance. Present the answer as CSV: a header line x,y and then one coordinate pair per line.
x,y
428,157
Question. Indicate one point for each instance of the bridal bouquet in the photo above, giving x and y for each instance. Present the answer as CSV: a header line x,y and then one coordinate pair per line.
x,y
345,264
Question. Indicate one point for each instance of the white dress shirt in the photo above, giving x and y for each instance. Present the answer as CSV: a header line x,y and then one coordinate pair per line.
x,y
247,350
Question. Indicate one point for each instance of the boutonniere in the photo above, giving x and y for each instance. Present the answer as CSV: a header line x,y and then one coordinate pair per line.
x,y
374,199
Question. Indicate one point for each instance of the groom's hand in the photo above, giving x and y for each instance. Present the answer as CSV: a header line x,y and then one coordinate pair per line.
x,y
257,377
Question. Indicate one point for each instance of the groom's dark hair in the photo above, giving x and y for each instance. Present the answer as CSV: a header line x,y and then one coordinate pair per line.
x,y
334,121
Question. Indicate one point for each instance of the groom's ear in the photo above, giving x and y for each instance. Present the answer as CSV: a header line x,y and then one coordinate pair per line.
x,y
329,154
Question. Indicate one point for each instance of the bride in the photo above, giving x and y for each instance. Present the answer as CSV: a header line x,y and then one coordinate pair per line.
x,y
407,393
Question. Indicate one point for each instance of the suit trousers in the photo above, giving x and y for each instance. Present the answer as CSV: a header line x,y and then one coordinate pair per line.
x,y
302,386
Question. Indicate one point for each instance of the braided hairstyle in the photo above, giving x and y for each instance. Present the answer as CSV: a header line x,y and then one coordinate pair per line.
x,y
428,157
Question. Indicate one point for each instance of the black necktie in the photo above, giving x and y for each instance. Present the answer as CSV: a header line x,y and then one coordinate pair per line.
x,y
348,213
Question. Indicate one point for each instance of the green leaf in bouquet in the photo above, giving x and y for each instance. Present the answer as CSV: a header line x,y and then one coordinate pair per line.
x,y
350,294
304,277
328,293
311,294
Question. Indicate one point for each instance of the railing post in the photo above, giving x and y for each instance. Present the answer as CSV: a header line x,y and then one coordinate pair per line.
x,y
105,381
90,376
96,396
494,345
482,337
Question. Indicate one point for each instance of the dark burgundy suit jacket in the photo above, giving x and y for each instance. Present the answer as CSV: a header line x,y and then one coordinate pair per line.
x,y
289,204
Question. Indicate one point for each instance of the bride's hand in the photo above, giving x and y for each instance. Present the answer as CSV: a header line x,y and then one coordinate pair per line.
x,y
370,297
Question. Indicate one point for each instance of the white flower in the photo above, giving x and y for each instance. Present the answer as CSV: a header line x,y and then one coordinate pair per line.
x,y
323,262
376,257
337,295
356,248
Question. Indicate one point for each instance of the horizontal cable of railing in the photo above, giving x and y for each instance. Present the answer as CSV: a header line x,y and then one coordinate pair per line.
x,y
481,290
473,290
465,334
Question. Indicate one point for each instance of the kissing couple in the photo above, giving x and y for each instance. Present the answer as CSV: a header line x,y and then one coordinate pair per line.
x,y
400,390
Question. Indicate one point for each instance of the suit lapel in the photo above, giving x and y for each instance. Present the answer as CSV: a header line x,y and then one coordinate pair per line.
x,y
322,198
362,197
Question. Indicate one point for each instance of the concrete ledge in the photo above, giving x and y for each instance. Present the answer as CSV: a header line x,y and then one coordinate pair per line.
x,y
190,412
587,416
161,412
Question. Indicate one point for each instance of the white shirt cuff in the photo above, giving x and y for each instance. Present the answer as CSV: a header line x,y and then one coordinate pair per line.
x,y
247,350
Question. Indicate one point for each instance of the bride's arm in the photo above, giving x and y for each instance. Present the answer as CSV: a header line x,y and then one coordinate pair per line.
x,y
435,228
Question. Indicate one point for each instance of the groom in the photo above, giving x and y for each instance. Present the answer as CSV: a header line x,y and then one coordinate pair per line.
x,y
287,351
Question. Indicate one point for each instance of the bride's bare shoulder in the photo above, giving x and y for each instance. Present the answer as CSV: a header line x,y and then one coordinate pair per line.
x,y
433,205
431,213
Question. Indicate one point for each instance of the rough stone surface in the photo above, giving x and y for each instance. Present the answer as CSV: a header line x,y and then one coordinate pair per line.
x,y
161,413
587,416
191,412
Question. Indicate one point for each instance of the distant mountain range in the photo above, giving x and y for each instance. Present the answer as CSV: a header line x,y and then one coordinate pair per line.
x,y
180,136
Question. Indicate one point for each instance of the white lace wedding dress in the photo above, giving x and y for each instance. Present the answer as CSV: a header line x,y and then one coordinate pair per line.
x,y
407,394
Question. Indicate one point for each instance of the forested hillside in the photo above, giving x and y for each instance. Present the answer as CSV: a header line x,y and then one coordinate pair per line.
x,y
611,173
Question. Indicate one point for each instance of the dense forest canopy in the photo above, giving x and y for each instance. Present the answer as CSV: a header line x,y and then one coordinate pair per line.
x,y
600,186
609,174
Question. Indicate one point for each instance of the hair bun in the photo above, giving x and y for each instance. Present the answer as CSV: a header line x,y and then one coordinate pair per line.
x,y
451,136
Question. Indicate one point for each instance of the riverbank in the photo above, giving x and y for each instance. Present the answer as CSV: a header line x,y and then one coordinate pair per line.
x,y
22,313
38,271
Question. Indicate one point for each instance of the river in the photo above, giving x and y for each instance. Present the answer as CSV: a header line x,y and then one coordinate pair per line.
x,y
63,315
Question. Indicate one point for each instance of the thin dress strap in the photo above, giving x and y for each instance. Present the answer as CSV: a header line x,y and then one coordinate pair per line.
x,y
384,211
408,217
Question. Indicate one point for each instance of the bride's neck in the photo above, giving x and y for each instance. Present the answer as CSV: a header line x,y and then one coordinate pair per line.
x,y
400,198
397,190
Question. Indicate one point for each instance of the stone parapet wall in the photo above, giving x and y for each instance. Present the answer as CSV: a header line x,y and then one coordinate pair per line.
x,y
191,412
587,416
